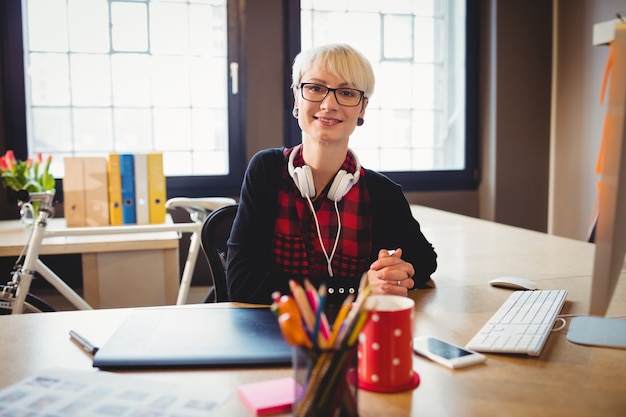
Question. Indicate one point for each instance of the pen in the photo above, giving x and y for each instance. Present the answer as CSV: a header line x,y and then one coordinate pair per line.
x,y
314,299
343,312
349,321
293,332
84,343
319,318
287,304
363,283
304,306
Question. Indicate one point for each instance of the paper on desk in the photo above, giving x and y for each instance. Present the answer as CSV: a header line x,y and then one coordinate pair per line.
x,y
62,392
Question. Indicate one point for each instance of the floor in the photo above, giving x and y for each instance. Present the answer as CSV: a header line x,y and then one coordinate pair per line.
x,y
60,303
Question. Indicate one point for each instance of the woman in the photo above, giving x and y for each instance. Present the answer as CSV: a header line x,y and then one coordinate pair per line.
x,y
312,212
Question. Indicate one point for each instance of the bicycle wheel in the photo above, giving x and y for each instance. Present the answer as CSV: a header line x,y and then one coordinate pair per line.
x,y
32,304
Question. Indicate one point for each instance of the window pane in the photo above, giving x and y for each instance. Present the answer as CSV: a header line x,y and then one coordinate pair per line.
x,y
50,80
415,119
90,80
424,46
401,6
208,129
132,128
393,85
172,129
169,88
88,23
131,80
208,78
169,28
397,37
361,30
92,130
336,5
364,5
48,30
424,86
129,26
210,161
52,129
207,30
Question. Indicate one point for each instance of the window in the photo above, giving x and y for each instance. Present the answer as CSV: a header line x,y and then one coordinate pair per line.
x,y
436,118
134,76
420,122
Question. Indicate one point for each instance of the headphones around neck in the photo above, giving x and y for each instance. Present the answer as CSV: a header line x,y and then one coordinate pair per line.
x,y
303,178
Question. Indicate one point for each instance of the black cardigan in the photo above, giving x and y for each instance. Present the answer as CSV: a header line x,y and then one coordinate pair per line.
x,y
251,276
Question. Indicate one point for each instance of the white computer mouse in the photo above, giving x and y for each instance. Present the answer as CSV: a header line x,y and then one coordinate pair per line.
x,y
514,283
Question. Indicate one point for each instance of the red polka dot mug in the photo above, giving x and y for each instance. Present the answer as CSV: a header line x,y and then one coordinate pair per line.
x,y
385,351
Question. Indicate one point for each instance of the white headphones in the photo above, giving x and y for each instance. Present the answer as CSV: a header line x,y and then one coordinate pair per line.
x,y
303,178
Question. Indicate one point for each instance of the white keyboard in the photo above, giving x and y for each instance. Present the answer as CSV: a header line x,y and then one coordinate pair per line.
x,y
522,324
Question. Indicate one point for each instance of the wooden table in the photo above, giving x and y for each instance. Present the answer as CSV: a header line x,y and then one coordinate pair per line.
x,y
119,270
565,380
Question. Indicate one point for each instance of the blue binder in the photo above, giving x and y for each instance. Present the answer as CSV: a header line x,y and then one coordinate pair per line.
x,y
127,173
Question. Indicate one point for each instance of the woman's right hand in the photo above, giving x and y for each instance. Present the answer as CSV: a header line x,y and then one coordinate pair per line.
x,y
390,274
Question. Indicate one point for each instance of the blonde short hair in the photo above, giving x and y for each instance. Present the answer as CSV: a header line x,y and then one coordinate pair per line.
x,y
340,60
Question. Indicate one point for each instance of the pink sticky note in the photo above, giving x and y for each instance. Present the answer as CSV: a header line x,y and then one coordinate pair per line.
x,y
271,396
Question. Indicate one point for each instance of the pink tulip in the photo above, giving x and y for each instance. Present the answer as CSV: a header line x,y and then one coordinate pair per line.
x,y
9,159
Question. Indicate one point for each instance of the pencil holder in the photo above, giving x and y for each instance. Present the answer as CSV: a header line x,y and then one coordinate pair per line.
x,y
326,382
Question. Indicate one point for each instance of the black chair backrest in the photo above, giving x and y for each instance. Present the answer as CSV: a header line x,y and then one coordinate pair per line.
x,y
214,236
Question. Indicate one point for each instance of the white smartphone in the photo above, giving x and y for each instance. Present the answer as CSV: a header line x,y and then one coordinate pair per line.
x,y
446,353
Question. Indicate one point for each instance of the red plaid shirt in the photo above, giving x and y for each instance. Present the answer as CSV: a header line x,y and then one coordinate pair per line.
x,y
296,245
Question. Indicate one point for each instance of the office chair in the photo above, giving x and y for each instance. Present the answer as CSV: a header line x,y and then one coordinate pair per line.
x,y
214,235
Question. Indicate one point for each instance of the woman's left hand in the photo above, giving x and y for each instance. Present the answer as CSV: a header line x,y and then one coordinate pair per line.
x,y
389,274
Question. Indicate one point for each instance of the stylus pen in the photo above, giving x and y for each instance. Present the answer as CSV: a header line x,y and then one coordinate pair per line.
x,y
84,343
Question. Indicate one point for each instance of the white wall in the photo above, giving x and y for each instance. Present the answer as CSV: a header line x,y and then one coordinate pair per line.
x,y
577,113
515,85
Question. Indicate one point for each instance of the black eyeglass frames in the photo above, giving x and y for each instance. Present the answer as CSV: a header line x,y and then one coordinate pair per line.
x,y
349,97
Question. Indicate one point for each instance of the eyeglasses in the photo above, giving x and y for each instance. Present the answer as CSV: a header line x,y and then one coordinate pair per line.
x,y
349,97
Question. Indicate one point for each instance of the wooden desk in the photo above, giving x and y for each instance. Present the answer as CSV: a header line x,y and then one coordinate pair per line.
x,y
121,270
474,251
566,380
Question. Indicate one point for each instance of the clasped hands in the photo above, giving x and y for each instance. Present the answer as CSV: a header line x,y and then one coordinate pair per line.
x,y
389,274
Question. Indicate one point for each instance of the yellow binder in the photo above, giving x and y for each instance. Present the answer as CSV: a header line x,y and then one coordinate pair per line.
x,y
115,190
157,193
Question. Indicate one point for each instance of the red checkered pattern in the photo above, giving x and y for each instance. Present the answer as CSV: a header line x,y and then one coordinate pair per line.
x,y
296,246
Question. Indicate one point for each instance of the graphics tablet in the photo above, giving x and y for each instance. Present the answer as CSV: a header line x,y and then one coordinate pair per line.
x,y
195,337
